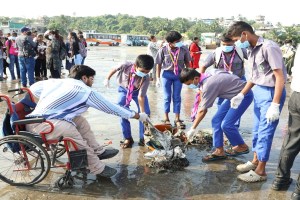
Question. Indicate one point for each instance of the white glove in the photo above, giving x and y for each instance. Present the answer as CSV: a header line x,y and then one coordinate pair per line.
x,y
236,101
7,60
190,134
35,57
144,117
106,83
158,84
273,112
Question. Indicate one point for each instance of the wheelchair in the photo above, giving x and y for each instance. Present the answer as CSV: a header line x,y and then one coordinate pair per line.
x,y
26,158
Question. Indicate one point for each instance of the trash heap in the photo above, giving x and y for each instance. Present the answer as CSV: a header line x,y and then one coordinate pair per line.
x,y
168,144
167,148
203,138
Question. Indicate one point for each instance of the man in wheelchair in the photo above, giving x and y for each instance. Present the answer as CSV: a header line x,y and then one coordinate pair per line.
x,y
62,101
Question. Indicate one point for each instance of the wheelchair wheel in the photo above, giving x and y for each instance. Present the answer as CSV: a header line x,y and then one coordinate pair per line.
x,y
23,161
61,150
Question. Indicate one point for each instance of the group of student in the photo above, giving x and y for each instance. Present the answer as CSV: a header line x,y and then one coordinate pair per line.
x,y
227,84
172,63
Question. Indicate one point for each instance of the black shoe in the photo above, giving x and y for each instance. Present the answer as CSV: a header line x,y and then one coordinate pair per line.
x,y
281,185
295,196
141,142
108,153
107,172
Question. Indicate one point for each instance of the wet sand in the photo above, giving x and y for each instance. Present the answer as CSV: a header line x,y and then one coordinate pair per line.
x,y
216,180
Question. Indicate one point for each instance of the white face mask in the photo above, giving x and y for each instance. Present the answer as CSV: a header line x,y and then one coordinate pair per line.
x,y
50,37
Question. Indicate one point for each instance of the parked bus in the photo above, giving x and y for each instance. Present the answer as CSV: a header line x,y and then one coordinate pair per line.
x,y
134,40
210,40
95,39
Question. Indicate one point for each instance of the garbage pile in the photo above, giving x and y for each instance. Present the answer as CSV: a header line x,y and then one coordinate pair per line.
x,y
203,137
167,148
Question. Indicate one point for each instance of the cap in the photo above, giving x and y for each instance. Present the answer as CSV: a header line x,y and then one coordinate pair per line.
x,y
25,29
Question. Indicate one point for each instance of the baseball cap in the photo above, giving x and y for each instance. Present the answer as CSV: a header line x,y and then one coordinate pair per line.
x,y
25,29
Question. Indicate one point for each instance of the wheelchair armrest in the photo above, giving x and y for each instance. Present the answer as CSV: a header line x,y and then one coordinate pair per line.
x,y
29,121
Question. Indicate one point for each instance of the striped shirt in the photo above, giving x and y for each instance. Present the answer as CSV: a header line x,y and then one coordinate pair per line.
x,y
67,98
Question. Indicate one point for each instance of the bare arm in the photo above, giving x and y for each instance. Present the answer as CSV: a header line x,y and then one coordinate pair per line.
x,y
7,49
141,100
247,87
202,69
158,70
279,85
111,73
200,115
187,64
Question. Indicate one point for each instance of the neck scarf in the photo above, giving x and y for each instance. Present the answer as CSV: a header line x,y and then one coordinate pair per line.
x,y
203,76
227,67
130,86
174,57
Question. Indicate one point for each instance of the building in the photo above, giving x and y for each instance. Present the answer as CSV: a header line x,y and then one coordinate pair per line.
x,y
9,27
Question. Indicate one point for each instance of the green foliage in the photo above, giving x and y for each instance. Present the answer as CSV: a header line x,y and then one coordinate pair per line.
x,y
123,23
282,33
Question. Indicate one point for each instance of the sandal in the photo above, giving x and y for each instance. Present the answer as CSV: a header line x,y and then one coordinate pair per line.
x,y
166,122
213,157
232,152
126,143
179,124
251,177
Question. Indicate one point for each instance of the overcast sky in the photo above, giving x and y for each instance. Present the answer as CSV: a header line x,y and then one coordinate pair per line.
x,y
285,12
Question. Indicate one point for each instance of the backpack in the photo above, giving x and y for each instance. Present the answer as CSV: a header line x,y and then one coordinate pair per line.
x,y
28,49
82,49
219,52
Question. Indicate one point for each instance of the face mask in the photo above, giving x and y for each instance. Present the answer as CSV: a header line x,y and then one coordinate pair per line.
x,y
193,86
178,44
227,49
140,74
242,45
50,37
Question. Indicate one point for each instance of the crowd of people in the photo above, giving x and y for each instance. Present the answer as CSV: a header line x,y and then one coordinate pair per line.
x,y
172,65
32,54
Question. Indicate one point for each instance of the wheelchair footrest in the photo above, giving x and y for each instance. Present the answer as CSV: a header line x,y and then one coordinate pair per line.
x,y
78,159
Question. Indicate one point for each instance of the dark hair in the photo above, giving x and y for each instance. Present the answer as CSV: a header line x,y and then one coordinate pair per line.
x,y
78,71
225,38
144,61
55,33
74,35
151,37
188,74
173,36
236,29
288,41
195,38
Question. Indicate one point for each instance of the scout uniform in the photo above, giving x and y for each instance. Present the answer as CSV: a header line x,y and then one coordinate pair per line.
x,y
140,87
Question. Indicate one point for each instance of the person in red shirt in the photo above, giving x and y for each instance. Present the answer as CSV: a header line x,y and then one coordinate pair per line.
x,y
195,51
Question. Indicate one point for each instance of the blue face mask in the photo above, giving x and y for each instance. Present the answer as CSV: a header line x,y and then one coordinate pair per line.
x,y
178,44
227,49
242,45
140,74
193,86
